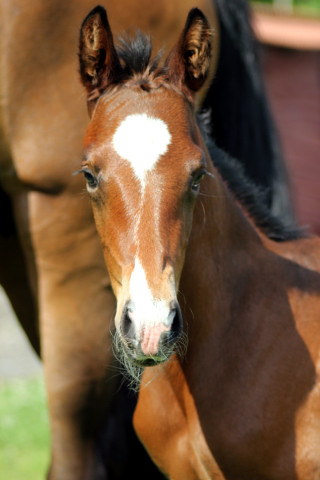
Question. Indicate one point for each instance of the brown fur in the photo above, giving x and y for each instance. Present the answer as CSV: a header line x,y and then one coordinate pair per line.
x,y
192,54
244,401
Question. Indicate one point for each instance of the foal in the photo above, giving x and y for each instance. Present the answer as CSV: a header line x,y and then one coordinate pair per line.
x,y
185,257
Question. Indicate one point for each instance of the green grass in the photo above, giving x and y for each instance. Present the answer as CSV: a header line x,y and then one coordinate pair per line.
x,y
24,432
302,7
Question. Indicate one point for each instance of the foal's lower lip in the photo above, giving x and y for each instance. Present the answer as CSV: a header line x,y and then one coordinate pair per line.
x,y
141,360
148,362
151,361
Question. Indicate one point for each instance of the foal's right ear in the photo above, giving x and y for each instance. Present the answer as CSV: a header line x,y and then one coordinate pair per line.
x,y
189,61
99,63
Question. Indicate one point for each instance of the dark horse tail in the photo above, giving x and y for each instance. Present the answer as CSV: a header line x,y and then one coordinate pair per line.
x,y
241,121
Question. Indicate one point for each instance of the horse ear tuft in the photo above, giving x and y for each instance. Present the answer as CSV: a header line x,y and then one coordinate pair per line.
x,y
99,62
189,61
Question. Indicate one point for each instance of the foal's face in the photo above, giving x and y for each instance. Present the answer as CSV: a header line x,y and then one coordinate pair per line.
x,y
143,166
143,163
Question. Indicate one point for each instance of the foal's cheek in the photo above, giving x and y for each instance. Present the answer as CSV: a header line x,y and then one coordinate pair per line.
x,y
187,221
182,245
98,217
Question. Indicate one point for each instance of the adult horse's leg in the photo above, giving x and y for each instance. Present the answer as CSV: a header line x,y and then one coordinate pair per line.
x,y
77,395
75,312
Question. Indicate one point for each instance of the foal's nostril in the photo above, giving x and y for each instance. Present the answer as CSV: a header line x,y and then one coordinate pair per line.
x,y
176,328
127,325
176,325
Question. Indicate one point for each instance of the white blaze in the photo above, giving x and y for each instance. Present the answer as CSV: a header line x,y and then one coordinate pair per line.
x,y
141,140
147,310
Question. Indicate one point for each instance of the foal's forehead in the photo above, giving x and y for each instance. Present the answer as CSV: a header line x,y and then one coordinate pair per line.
x,y
142,127
165,104
141,140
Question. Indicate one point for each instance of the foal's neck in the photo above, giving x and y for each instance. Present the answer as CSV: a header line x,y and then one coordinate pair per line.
x,y
222,259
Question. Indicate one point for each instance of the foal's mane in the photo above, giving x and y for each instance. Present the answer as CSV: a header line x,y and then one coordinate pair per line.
x,y
138,65
252,198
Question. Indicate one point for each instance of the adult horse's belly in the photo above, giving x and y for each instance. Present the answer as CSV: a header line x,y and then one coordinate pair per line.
x,y
43,112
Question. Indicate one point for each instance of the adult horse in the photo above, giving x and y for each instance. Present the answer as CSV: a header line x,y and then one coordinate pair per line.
x,y
185,257
51,262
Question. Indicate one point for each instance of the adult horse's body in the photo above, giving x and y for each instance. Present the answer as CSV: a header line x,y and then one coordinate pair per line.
x,y
51,263
184,256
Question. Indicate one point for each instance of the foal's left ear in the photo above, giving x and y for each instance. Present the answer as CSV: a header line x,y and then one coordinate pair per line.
x,y
189,61
99,63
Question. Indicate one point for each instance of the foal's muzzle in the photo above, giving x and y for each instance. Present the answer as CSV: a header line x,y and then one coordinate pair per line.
x,y
152,341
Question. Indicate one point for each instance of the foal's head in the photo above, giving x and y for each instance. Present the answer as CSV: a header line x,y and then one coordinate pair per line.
x,y
143,162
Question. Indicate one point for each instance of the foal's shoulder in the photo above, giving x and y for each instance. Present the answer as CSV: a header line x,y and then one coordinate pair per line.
x,y
302,251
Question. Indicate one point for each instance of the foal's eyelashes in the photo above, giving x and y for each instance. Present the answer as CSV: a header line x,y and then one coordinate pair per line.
x,y
196,179
91,179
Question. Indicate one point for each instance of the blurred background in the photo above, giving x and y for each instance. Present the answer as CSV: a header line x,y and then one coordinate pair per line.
x,y
288,32
24,431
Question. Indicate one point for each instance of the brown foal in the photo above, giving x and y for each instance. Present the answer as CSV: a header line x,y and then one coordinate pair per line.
x,y
186,259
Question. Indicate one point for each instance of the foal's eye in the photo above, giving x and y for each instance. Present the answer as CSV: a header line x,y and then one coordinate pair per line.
x,y
92,180
195,185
